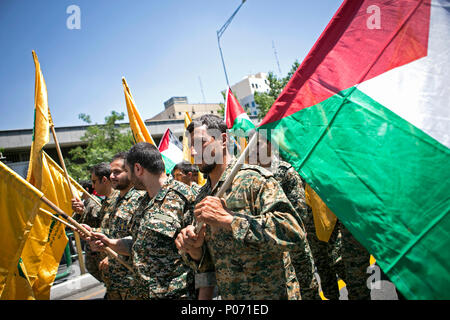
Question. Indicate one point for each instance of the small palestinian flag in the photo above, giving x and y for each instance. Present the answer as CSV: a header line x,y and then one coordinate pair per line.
x,y
171,149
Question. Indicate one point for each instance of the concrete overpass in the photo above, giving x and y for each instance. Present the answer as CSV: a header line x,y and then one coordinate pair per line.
x,y
15,144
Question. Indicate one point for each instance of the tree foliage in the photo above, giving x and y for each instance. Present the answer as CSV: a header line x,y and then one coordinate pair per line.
x,y
103,142
265,100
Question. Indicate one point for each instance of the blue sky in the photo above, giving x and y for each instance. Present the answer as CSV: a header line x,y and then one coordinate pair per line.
x,y
160,47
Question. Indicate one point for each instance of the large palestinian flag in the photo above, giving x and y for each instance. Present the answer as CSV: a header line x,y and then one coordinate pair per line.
x,y
365,120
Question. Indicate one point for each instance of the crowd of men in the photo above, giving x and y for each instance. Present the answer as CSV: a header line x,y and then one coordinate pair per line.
x,y
257,241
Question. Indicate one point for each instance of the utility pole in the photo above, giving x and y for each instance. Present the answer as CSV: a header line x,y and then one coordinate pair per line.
x,y
276,56
220,33
201,88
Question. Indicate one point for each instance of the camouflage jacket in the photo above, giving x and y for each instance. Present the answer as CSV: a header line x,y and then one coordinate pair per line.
x,y
160,270
251,261
115,225
90,215
293,186
302,258
106,208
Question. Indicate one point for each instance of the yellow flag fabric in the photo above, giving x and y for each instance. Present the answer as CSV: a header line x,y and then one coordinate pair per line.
x,y
41,126
18,286
140,132
186,150
43,252
19,204
324,218
45,245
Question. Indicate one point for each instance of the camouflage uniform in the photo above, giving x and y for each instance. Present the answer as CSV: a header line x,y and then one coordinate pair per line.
x,y
196,188
91,215
342,255
302,257
115,225
252,260
93,218
160,270
351,260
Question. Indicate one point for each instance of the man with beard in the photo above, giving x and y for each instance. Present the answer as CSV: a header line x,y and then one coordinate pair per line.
x,y
115,224
160,272
247,235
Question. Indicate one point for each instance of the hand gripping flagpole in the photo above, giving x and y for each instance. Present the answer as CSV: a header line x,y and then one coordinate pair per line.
x,y
229,180
84,230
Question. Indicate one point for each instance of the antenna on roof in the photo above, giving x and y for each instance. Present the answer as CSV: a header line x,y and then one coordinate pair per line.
x,y
276,56
201,88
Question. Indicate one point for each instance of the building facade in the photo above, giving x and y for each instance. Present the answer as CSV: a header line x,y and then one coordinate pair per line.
x,y
175,107
245,89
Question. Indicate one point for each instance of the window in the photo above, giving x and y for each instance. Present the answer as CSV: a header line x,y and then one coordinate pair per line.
x,y
179,113
253,85
253,103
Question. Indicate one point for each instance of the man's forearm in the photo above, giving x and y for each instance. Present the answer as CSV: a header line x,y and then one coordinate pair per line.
x,y
122,246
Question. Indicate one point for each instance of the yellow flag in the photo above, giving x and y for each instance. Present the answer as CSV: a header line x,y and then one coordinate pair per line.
x,y
41,126
56,189
140,132
186,150
324,218
19,204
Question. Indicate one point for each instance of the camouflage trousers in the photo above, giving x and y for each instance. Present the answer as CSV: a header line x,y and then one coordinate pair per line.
x,y
92,259
347,259
303,262
120,295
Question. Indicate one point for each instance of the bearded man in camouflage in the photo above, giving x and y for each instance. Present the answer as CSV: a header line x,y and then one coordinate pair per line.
x,y
247,235
160,272
116,224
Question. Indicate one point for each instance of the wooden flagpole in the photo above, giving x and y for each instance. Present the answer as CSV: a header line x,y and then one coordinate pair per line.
x,y
61,160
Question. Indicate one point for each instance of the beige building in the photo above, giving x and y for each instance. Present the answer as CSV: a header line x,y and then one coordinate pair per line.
x,y
244,90
175,108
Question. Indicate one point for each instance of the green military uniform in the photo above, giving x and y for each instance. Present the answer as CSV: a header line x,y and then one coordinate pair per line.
x,y
252,260
196,188
91,215
350,262
302,257
115,225
94,219
341,255
160,270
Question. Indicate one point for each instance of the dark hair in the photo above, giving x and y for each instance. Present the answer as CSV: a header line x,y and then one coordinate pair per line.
x,y
185,167
120,155
210,121
101,170
87,185
148,156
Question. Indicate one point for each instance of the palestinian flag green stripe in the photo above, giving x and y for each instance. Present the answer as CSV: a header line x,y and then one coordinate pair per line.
x,y
169,164
242,125
381,176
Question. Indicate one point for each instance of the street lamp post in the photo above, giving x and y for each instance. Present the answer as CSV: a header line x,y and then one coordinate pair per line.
x,y
220,33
